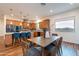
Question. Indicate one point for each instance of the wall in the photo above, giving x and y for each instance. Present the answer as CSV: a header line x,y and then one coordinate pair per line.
x,y
2,32
67,36
1,27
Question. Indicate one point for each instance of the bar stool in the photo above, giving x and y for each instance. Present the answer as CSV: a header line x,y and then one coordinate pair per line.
x,y
16,38
23,36
28,34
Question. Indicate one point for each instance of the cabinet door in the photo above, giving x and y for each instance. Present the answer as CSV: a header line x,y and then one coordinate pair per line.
x,y
35,34
2,42
32,26
26,25
44,24
8,39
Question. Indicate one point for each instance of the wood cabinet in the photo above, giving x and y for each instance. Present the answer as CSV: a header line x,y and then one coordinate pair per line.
x,y
32,26
44,24
14,22
26,25
2,42
8,39
37,34
13,25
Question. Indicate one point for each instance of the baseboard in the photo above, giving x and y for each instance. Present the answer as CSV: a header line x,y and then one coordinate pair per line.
x,y
70,43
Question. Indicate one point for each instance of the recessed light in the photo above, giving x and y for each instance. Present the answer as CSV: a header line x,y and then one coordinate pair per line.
x,y
43,4
36,16
22,16
11,9
28,24
20,23
51,11
12,15
38,21
11,23
71,3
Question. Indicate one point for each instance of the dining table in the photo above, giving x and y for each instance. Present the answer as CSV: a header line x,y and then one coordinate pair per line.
x,y
43,42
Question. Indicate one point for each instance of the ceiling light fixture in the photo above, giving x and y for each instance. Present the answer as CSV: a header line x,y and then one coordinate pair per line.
x,y
20,23
11,9
11,23
51,11
43,4
36,16
28,24
11,13
37,19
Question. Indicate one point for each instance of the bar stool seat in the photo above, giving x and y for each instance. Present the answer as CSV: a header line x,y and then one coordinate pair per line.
x,y
16,38
23,36
28,34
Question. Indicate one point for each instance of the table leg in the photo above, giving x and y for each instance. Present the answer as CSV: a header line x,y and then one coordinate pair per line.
x,y
43,54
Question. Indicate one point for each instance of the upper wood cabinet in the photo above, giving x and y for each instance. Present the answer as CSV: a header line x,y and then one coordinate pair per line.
x,y
32,26
44,24
14,22
26,25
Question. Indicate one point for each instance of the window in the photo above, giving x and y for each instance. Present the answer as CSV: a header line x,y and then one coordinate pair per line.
x,y
65,26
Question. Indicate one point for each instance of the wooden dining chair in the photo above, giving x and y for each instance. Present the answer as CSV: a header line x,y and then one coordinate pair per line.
x,y
54,34
55,47
58,45
53,51
60,52
30,51
33,52
25,47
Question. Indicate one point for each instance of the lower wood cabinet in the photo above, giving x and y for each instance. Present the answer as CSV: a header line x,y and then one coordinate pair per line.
x,y
2,45
8,39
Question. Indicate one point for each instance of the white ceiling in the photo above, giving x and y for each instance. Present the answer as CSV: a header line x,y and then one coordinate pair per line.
x,y
35,9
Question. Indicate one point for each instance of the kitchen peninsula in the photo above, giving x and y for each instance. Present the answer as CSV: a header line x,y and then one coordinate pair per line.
x,y
13,26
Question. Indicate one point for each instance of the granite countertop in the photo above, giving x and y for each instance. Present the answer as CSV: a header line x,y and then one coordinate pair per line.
x,y
7,33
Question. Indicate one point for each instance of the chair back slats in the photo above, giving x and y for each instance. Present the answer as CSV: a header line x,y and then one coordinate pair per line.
x,y
33,52
24,47
29,51
54,47
60,41
58,45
